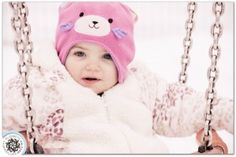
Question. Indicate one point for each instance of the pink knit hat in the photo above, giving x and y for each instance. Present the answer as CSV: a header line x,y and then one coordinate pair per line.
x,y
109,24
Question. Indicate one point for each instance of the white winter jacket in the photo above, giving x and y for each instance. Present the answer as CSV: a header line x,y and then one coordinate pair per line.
x,y
73,119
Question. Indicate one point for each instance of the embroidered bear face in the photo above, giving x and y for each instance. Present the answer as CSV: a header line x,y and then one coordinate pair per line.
x,y
93,25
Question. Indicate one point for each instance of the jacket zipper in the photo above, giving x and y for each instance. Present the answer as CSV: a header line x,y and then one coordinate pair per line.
x,y
109,121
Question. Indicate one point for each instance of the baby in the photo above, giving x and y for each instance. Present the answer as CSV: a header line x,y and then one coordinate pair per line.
x,y
96,101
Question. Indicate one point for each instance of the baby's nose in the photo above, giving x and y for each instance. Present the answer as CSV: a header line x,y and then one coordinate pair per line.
x,y
92,67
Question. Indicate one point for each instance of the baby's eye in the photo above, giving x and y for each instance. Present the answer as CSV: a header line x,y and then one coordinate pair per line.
x,y
107,56
79,53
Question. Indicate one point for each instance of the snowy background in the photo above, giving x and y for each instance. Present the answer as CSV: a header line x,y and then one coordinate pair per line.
x,y
159,35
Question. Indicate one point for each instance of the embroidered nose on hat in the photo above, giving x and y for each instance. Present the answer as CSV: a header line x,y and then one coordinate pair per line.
x,y
109,24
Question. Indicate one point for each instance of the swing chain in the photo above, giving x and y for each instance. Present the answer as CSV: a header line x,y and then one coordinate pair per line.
x,y
21,26
214,53
24,49
187,42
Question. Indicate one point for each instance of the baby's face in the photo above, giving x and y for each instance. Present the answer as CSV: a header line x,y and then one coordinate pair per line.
x,y
91,66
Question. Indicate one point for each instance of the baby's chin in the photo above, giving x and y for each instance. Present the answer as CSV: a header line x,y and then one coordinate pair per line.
x,y
100,91
98,88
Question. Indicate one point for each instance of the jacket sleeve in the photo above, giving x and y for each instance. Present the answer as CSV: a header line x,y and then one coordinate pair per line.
x,y
178,110
13,106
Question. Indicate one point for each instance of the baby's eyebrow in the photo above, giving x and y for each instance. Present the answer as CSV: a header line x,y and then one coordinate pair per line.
x,y
80,47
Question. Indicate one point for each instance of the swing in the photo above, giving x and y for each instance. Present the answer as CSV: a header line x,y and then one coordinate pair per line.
x,y
24,48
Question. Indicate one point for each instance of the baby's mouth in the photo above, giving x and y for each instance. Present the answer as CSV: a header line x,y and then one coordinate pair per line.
x,y
90,79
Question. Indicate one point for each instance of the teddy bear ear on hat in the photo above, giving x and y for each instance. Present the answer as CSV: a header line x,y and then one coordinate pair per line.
x,y
64,5
133,14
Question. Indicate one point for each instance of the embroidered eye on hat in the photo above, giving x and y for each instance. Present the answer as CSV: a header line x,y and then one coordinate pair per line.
x,y
109,24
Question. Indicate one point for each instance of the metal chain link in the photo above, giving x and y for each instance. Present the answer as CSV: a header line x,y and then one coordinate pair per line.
x,y
187,42
24,49
212,73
